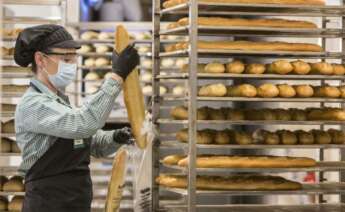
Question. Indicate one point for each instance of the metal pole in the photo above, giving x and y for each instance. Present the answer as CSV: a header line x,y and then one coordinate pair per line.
x,y
342,151
192,104
155,101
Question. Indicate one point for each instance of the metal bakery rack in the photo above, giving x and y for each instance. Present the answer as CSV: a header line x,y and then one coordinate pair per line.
x,y
193,9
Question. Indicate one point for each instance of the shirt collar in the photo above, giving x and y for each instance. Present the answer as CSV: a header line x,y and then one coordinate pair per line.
x,y
44,89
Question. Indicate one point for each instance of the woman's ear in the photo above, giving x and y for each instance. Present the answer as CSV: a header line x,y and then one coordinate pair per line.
x,y
38,57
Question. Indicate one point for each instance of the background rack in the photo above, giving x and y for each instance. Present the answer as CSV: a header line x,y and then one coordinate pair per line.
x,y
193,9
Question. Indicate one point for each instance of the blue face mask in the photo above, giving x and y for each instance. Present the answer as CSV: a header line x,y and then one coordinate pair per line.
x,y
65,75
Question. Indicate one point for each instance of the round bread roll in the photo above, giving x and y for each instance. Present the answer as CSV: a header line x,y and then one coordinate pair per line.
x,y
255,68
286,91
181,113
104,36
167,63
304,138
322,137
102,49
147,63
92,76
338,136
147,90
214,68
144,49
287,137
342,91
235,67
222,138
89,35
85,49
3,204
268,90
163,90
89,62
327,91
146,77
268,114
298,115
216,114
244,90
304,91
283,115
338,69
108,75
181,62
15,184
235,115
101,61
280,67
203,136
322,68
241,138
270,138
301,67
179,90
213,90
201,67
5,145
16,203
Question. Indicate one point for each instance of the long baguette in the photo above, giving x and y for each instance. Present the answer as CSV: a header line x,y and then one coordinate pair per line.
x,y
133,94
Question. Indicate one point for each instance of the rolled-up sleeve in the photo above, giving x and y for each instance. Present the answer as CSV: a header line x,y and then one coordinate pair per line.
x,y
44,116
103,144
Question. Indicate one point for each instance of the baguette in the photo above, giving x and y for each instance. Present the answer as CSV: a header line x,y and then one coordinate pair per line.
x,y
172,159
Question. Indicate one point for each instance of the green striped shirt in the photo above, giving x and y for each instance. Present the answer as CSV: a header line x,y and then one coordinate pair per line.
x,y
42,117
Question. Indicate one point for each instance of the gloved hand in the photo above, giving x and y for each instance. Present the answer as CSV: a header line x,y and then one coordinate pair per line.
x,y
125,62
123,136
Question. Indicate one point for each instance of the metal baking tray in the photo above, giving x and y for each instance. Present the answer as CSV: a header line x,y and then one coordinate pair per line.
x,y
176,144
34,2
249,122
323,188
15,75
108,54
31,20
209,53
252,76
260,207
320,167
7,114
11,154
12,94
11,193
257,31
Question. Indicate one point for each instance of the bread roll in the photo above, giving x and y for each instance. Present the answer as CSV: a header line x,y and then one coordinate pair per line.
x,y
338,69
105,36
146,63
280,67
327,91
146,77
322,68
217,114
255,68
101,61
322,137
286,91
181,113
235,115
270,138
222,138
6,145
213,90
342,91
241,138
287,137
298,115
167,63
172,159
201,68
15,184
304,91
338,136
89,35
304,138
300,67
268,90
85,49
102,49
179,90
180,62
3,204
16,203
214,68
92,76
235,67
203,136
89,62
283,115
244,90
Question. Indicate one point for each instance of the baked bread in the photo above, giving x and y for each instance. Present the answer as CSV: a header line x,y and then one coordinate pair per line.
x,y
179,90
250,46
234,182
222,137
213,90
282,115
3,204
15,184
16,203
327,91
235,67
268,90
287,137
300,67
304,138
298,115
6,145
8,127
262,114
255,68
244,90
85,49
203,136
14,88
342,91
322,68
304,91
172,159
322,137
185,68
3,180
102,61
250,162
105,36
89,35
280,67
241,138
338,136
102,49
235,115
286,91
270,138
214,68
217,114
331,114
181,113
338,69
89,62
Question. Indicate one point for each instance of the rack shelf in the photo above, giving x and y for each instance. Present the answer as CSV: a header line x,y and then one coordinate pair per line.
x,y
31,20
34,2
10,193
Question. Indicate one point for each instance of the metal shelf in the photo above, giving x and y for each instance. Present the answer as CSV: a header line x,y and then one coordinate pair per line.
x,y
7,135
15,75
257,32
249,122
31,20
34,2
108,54
320,167
10,154
9,170
12,94
323,188
11,193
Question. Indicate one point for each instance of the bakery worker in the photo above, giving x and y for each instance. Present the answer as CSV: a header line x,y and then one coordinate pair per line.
x,y
56,139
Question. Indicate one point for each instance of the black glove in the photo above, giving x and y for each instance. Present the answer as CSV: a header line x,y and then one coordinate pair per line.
x,y
125,62
123,136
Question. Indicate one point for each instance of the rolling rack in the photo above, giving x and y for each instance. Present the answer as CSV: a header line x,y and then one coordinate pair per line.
x,y
193,9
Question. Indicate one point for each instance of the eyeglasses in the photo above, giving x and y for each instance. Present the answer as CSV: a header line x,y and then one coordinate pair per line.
x,y
66,57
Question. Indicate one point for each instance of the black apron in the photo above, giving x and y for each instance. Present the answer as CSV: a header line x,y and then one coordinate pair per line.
x,y
60,180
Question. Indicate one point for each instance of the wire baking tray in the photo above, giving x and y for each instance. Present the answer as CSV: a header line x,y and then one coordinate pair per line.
x,y
249,122
257,31
176,144
209,53
251,76
260,207
279,9
323,188
259,99
320,167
